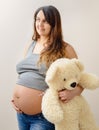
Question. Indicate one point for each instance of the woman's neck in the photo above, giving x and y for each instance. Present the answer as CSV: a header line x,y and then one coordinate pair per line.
x,y
43,40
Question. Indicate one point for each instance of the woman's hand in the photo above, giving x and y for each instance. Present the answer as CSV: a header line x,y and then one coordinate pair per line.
x,y
66,95
15,107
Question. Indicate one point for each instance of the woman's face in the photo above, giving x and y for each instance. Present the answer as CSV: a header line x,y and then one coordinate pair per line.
x,y
42,26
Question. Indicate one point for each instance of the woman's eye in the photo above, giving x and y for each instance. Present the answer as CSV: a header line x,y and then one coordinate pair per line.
x,y
42,21
45,21
37,19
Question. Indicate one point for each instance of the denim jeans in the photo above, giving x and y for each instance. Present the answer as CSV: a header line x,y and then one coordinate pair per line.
x,y
33,122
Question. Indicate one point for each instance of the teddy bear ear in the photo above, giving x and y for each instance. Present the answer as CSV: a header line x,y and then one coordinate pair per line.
x,y
79,64
51,73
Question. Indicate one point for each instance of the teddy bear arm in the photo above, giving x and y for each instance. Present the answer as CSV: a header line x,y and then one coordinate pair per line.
x,y
89,81
51,107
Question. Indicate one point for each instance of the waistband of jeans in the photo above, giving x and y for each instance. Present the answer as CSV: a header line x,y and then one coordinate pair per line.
x,y
35,115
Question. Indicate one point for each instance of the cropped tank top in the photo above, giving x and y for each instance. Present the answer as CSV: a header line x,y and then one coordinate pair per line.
x,y
30,74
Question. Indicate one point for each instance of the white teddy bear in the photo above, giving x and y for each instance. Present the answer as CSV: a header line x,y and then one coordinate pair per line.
x,y
76,114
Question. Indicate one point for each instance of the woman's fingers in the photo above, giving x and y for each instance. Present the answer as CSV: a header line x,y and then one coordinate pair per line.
x,y
15,107
65,95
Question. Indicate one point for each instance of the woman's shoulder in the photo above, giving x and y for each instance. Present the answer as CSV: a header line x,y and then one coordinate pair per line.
x,y
71,53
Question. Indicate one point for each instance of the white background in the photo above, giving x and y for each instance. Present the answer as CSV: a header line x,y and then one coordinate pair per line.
x,y
80,22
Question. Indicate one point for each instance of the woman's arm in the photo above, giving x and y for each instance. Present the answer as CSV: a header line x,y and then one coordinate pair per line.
x,y
66,95
71,52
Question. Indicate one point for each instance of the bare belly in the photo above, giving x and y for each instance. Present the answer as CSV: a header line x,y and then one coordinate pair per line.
x,y
27,99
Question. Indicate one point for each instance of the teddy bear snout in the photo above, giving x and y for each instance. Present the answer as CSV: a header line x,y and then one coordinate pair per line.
x,y
73,84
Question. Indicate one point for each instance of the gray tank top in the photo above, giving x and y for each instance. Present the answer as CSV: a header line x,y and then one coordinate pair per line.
x,y
30,74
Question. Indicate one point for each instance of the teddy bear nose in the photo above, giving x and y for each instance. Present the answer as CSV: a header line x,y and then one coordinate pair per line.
x,y
73,84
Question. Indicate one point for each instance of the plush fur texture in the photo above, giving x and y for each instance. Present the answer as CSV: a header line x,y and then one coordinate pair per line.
x,y
76,114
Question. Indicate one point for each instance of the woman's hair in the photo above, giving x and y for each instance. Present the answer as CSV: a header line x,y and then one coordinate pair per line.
x,y
56,48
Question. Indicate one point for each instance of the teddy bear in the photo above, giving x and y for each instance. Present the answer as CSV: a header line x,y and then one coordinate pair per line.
x,y
76,114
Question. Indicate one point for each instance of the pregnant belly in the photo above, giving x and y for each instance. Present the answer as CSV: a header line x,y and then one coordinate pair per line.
x,y
27,99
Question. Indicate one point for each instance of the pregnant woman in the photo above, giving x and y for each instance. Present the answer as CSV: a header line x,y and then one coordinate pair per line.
x,y
47,45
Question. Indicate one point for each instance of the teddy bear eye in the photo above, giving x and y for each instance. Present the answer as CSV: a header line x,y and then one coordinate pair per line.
x,y
64,79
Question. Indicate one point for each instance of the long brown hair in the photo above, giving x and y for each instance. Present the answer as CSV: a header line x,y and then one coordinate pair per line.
x,y
56,47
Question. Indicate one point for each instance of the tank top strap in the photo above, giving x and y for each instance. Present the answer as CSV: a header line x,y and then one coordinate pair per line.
x,y
30,49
